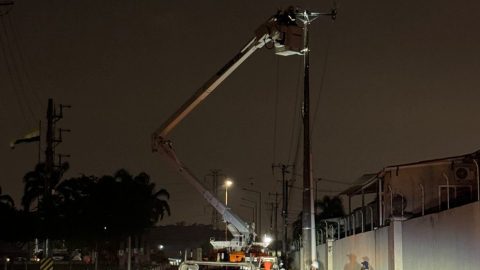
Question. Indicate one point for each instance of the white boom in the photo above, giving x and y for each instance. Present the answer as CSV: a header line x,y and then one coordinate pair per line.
x,y
271,30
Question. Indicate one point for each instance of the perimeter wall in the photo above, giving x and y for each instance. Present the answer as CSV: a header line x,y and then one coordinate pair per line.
x,y
449,240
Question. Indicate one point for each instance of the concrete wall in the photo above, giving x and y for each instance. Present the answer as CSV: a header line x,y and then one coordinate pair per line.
x,y
372,246
296,260
321,256
381,249
442,241
349,252
446,240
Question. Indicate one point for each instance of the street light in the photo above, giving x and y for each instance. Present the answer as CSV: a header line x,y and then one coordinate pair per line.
x,y
228,183
260,209
256,211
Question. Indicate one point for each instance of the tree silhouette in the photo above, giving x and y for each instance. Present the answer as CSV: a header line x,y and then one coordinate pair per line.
x,y
88,209
329,207
6,200
35,183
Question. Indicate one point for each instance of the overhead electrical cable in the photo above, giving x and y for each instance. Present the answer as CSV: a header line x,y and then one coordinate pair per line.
x,y
22,62
322,80
6,12
13,83
275,118
276,112
16,70
295,112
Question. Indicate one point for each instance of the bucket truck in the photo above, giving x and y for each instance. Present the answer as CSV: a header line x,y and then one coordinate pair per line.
x,y
287,39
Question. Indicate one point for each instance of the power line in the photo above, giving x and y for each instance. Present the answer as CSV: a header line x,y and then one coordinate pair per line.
x,y
16,69
22,62
13,82
322,80
276,112
295,112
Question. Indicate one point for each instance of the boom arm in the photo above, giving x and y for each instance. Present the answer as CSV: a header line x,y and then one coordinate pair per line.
x,y
262,35
268,31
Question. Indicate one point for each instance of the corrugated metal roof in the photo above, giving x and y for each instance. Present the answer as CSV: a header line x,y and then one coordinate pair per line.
x,y
360,183
475,154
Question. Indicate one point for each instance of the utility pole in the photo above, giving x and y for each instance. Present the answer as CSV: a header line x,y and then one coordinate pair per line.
x,y
285,185
214,174
52,142
271,216
276,223
49,156
308,218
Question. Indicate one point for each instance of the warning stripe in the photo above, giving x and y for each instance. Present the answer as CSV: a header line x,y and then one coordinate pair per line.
x,y
46,264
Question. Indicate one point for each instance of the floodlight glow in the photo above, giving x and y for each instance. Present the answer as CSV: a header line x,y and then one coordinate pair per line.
x,y
228,183
267,239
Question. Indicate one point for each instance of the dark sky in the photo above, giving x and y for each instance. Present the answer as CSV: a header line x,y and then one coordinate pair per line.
x,y
401,84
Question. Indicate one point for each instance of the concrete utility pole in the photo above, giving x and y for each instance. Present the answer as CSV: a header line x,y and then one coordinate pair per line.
x,y
308,218
285,184
275,209
271,216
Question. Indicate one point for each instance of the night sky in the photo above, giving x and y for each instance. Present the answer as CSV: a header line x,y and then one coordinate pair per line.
x,y
401,84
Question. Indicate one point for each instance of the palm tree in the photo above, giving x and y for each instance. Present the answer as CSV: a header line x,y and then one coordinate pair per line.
x,y
330,207
6,199
160,205
35,183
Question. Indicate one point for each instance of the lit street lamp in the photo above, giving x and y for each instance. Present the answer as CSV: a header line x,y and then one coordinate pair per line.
x,y
228,183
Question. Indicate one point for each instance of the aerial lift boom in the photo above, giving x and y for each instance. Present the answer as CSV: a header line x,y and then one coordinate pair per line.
x,y
271,30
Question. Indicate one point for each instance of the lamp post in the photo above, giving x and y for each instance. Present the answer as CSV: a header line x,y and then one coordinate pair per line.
x,y
259,210
228,183
256,210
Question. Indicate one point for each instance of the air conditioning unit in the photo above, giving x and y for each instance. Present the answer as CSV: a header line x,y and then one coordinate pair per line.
x,y
464,172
